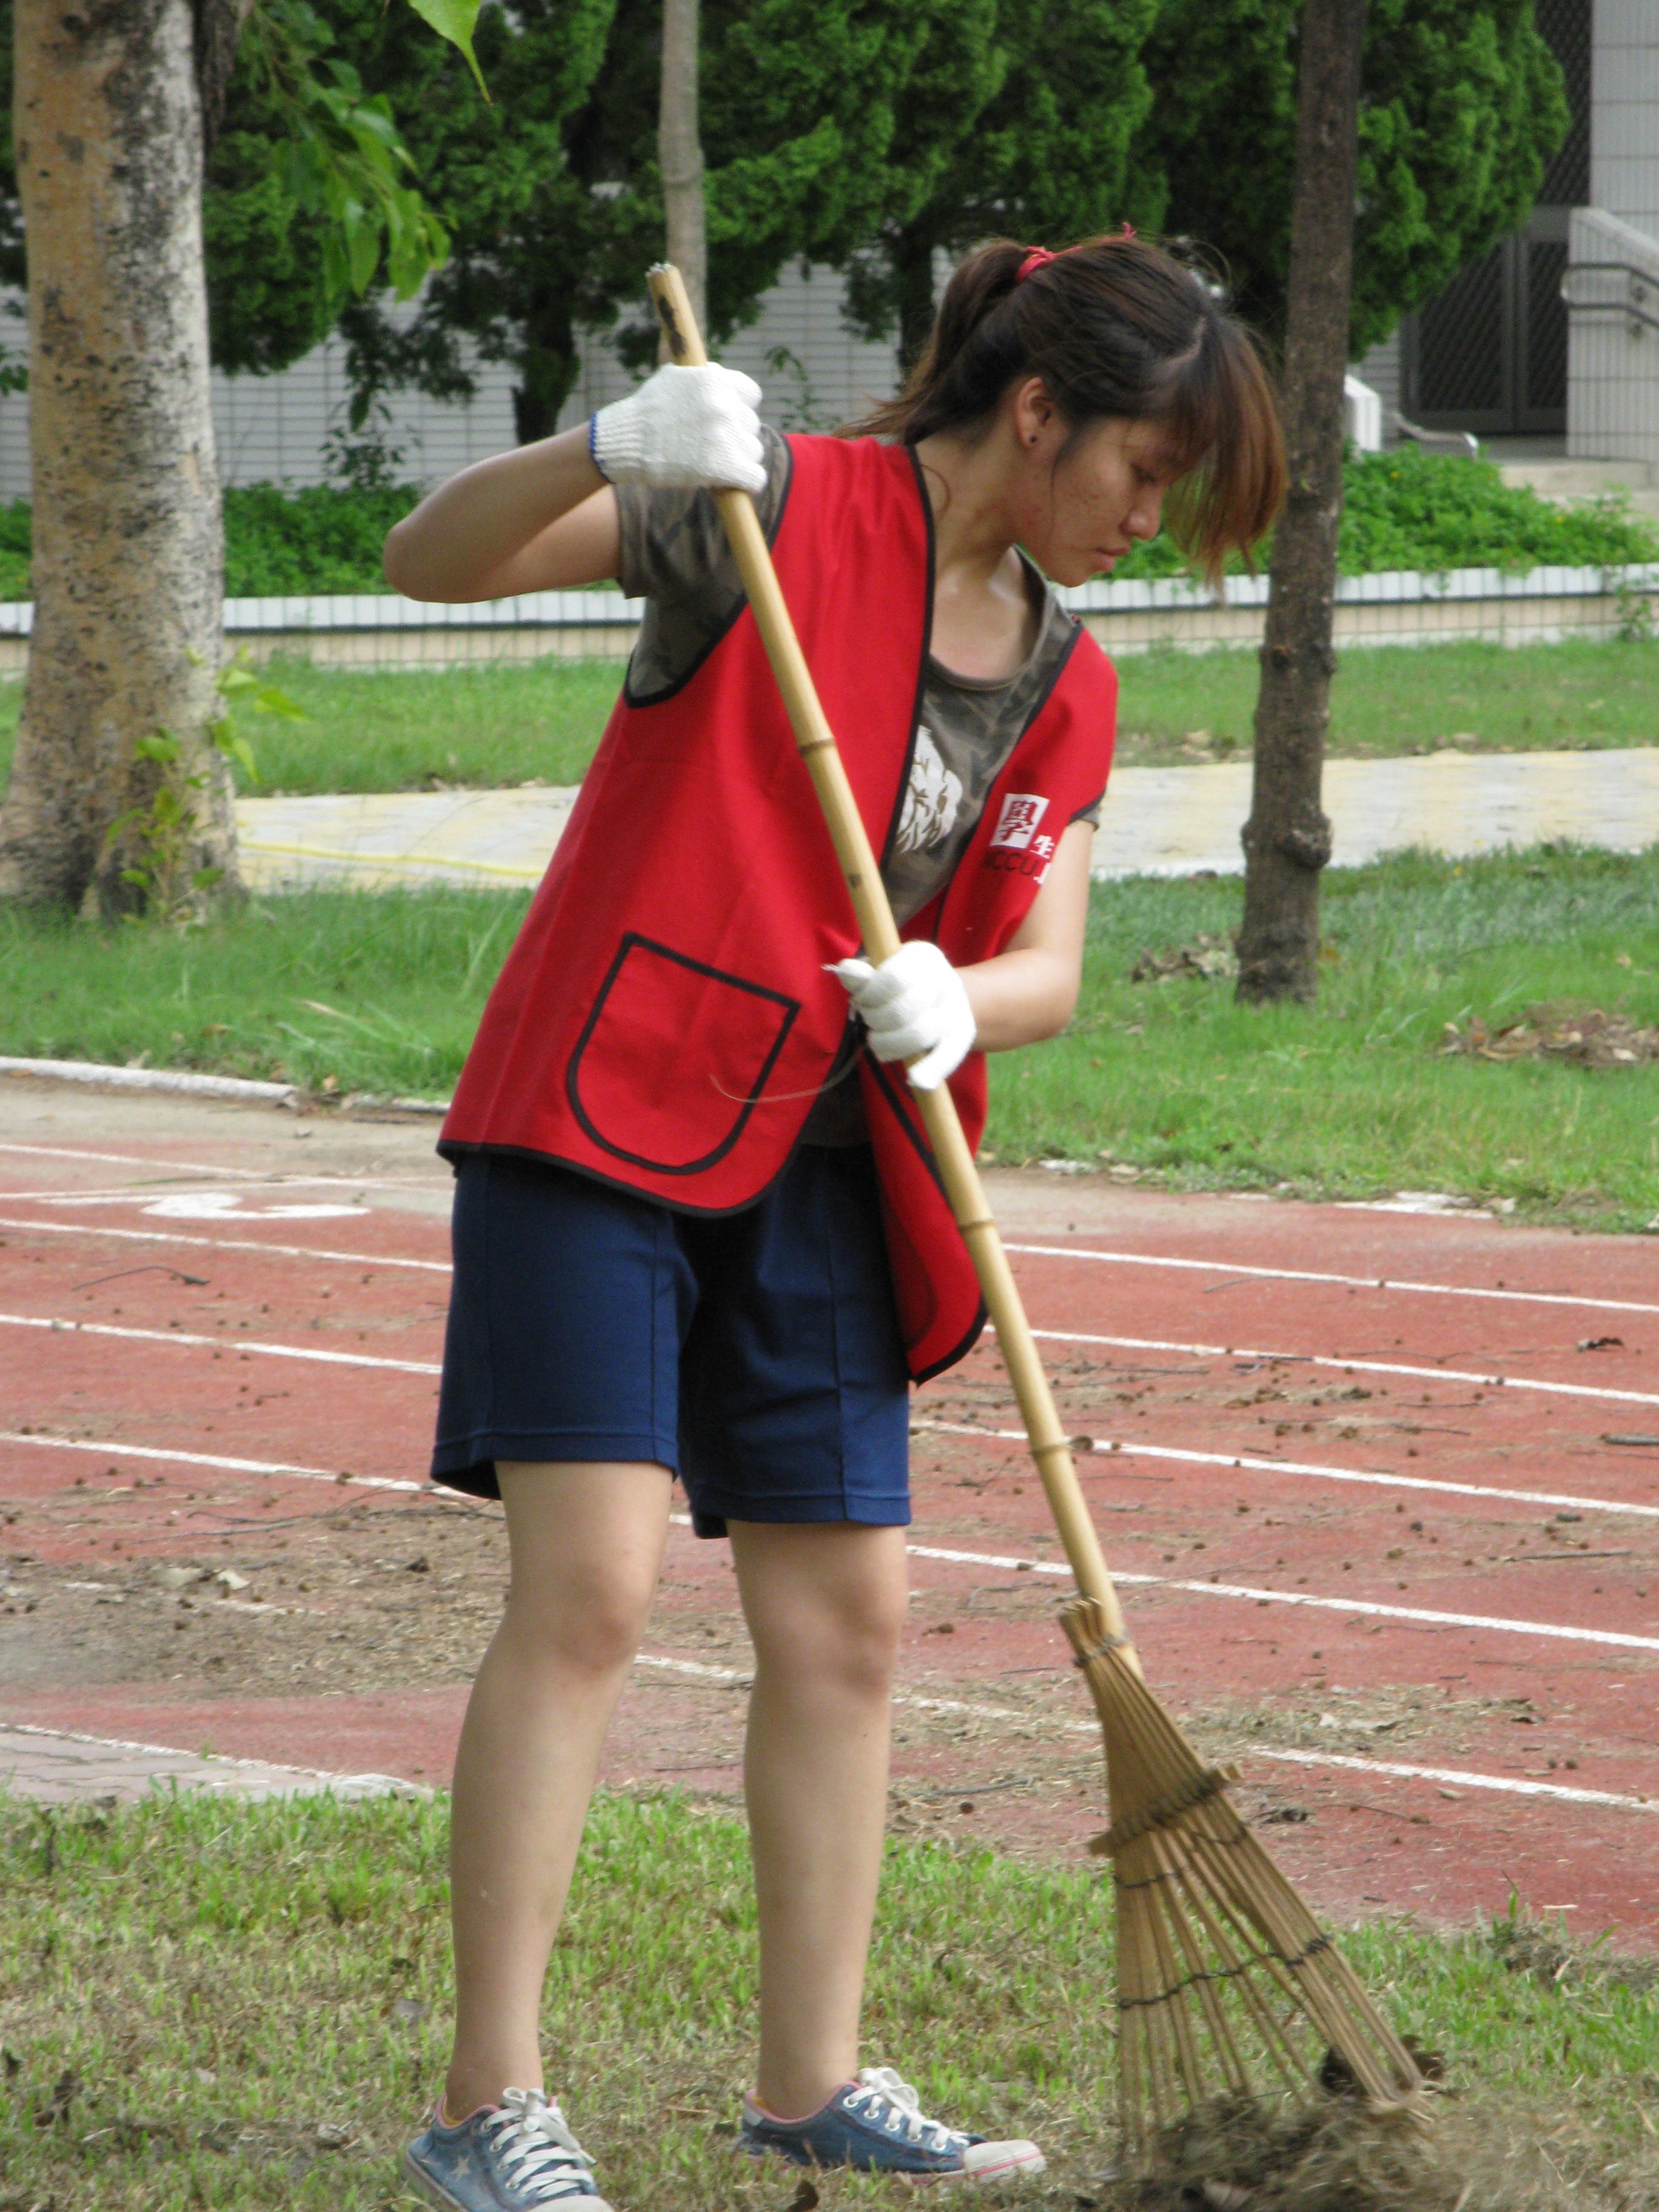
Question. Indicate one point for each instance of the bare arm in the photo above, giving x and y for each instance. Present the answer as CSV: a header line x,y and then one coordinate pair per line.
x,y
540,519
1029,992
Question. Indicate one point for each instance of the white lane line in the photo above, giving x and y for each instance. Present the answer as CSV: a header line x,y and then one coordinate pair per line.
x,y
209,1459
1311,1275
1112,1448
219,1343
1618,1639
225,1244
1354,1367
739,1680
1062,1336
149,1192
166,1167
1458,1777
1454,1777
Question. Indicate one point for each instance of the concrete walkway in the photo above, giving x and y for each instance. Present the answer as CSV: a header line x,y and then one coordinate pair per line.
x,y
52,1767
1158,821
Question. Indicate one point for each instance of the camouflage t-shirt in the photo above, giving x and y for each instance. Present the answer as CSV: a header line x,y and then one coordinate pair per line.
x,y
675,557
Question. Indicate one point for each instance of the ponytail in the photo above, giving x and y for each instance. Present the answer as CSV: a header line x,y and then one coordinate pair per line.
x,y
1115,327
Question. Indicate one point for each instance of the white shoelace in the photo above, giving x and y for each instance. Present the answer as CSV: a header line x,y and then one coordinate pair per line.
x,y
881,2085
532,2139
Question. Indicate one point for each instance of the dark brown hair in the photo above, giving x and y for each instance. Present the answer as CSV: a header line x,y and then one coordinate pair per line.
x,y
1114,326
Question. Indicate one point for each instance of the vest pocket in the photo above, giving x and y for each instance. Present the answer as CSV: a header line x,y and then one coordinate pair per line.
x,y
674,1058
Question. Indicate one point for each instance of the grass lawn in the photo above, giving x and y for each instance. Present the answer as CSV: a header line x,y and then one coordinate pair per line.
x,y
216,2004
380,991
386,729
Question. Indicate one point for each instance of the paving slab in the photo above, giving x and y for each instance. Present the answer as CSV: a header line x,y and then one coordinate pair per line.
x,y
1157,821
52,1766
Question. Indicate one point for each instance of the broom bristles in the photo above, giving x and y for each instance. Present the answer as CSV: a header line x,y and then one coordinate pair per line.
x,y
1224,1976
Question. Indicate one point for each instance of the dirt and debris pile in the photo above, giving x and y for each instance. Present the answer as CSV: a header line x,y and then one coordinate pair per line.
x,y
1337,2157
1211,959
1584,1035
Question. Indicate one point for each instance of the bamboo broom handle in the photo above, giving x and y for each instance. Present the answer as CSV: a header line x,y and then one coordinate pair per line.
x,y
816,744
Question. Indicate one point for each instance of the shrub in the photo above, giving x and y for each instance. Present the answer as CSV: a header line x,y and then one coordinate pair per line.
x,y
1405,509
1408,510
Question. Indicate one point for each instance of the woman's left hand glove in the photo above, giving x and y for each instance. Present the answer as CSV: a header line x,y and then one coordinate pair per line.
x,y
913,1003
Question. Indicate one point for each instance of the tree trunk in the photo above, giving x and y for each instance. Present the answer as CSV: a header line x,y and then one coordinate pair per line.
x,y
1287,839
912,252
129,557
679,150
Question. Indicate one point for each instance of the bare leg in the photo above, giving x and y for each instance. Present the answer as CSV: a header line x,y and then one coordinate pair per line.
x,y
825,1605
587,1545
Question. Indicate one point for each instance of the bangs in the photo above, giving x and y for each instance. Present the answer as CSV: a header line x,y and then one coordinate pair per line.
x,y
1216,413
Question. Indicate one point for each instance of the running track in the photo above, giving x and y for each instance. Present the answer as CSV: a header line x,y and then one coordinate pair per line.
x,y
1352,1465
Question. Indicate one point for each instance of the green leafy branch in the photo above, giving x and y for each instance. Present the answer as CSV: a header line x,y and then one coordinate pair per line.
x,y
342,157
163,830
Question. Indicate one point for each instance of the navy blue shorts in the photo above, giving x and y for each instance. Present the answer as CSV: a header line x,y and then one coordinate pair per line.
x,y
756,1354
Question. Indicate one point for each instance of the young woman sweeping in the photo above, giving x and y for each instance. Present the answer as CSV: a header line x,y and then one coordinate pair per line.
x,y
696,1232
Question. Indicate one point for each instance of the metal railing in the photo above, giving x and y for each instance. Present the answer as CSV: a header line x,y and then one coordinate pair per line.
x,y
1461,445
1641,287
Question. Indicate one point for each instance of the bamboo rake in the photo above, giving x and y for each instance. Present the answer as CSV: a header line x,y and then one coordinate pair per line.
x,y
1222,1969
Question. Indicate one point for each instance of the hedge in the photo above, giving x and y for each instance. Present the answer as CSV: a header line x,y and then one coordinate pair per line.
x,y
1405,509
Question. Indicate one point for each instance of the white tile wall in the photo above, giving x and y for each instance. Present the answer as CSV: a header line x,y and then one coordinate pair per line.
x,y
272,429
1626,22
1624,111
831,377
1627,129
1380,369
1613,366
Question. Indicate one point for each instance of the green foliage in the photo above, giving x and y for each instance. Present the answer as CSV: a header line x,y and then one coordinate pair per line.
x,y
1583,695
1403,509
208,2003
309,191
1017,120
382,992
1408,510
268,300
1351,1097
1463,104
456,21
160,832
339,160
553,196
1411,510
313,538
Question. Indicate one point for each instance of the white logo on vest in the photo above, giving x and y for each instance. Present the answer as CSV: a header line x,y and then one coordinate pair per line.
x,y
1022,810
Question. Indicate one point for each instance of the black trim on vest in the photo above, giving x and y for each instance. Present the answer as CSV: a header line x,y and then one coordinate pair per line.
x,y
1083,812
455,1149
672,690
897,815
633,941
924,1153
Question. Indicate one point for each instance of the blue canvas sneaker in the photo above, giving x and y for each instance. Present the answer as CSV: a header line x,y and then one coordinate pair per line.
x,y
875,2125
516,2156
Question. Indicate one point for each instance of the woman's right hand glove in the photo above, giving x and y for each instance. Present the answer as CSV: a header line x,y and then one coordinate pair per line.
x,y
684,427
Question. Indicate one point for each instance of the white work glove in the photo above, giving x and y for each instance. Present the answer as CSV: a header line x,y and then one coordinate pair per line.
x,y
913,1003
684,426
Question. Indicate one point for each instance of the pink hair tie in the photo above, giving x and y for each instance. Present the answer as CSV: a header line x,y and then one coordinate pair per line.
x,y
1038,258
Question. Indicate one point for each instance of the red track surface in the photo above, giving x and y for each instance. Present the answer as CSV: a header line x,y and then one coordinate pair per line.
x,y
1230,1407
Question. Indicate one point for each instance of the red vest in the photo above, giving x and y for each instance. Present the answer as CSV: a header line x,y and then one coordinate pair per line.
x,y
664,1020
